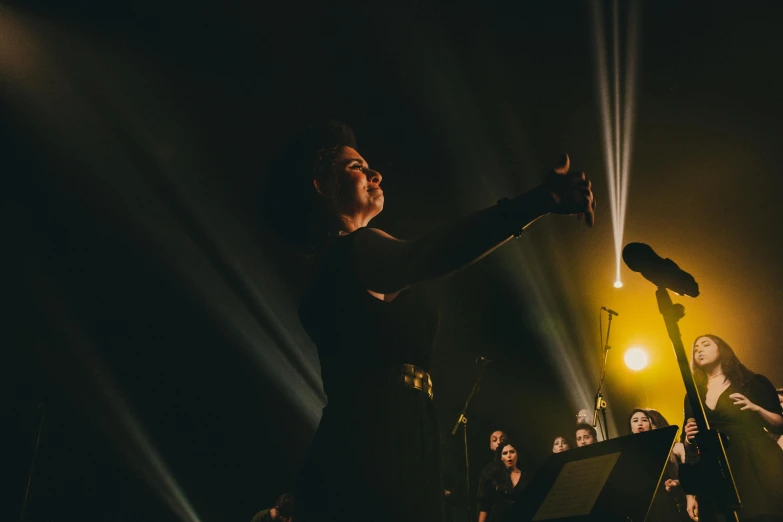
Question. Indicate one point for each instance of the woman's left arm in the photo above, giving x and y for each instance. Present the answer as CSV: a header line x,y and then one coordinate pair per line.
x,y
766,404
773,421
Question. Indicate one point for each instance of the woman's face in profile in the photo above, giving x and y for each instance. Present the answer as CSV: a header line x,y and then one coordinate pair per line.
x,y
509,456
560,445
705,352
640,422
359,191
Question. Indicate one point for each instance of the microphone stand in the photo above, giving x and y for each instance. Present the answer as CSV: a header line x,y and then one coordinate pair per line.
x,y
463,422
35,457
708,448
600,403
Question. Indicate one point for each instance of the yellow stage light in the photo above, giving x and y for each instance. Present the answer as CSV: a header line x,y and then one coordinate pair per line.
x,y
618,284
636,358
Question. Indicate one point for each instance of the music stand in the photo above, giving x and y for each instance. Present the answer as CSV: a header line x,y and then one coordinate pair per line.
x,y
613,480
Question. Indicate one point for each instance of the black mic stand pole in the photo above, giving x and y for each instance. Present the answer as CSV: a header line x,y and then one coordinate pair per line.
x,y
600,403
463,421
708,445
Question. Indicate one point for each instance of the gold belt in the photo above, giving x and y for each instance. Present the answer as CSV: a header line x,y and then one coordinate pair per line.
x,y
413,377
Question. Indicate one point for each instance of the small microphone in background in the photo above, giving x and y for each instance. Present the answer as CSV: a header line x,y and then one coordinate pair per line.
x,y
609,311
483,359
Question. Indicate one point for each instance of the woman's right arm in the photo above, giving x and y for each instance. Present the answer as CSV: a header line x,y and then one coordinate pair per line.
x,y
485,507
385,264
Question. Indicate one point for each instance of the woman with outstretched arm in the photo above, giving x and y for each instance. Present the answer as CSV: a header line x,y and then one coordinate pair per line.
x,y
374,323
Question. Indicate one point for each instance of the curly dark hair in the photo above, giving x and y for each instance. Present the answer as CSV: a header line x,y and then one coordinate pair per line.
x,y
292,206
328,138
733,369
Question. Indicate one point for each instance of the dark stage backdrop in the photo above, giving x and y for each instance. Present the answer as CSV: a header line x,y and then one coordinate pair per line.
x,y
150,315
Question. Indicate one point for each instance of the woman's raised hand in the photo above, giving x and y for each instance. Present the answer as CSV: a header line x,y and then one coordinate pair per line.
x,y
571,192
744,402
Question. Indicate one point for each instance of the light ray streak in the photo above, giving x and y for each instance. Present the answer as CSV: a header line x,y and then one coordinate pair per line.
x,y
119,422
40,78
616,113
630,106
24,68
617,110
602,75
526,270
89,378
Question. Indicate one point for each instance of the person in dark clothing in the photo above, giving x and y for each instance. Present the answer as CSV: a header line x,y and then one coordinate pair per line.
x,y
668,504
283,511
779,438
743,406
495,438
504,484
374,323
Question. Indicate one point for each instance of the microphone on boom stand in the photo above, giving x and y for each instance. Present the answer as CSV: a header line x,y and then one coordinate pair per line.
x,y
599,403
462,421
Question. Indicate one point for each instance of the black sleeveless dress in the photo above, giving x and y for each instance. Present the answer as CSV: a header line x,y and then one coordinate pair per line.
x,y
756,461
376,454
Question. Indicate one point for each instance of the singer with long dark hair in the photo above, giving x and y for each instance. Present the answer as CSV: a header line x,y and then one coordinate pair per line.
x,y
742,405
374,324
504,485
668,505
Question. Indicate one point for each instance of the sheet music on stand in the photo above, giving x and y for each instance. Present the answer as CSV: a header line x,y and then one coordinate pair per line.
x,y
577,487
610,481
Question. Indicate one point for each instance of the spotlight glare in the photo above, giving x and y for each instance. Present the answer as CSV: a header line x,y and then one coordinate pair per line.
x,y
636,358
618,284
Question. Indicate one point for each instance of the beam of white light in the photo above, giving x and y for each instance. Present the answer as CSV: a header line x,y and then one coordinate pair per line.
x,y
602,80
471,125
616,116
26,69
630,105
617,109
53,97
112,411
